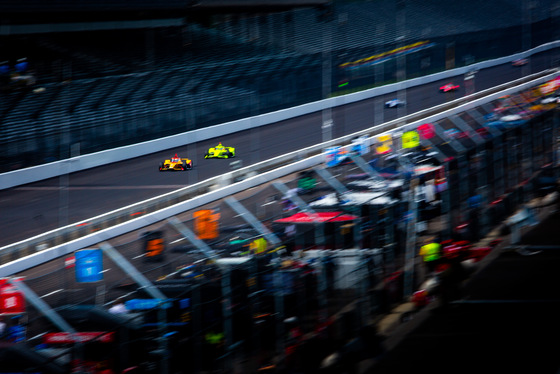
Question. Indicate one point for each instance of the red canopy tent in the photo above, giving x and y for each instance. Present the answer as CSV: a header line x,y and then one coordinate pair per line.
x,y
334,228
319,217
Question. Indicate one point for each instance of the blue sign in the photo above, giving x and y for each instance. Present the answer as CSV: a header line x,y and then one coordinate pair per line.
x,y
89,265
146,304
16,333
22,66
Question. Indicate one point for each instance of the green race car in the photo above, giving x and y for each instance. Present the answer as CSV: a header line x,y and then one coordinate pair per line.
x,y
220,151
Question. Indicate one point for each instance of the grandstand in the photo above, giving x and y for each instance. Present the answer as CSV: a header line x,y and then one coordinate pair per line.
x,y
115,87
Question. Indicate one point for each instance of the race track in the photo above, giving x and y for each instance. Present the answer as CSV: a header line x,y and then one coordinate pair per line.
x,y
39,207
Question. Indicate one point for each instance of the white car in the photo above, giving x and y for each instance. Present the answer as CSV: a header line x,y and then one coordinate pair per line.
x,y
550,100
395,103
511,118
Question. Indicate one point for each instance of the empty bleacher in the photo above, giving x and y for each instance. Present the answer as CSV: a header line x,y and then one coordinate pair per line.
x,y
94,81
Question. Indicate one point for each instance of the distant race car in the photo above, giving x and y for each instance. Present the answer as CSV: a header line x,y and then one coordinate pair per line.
x,y
395,103
455,134
520,62
176,163
449,87
507,121
220,151
550,100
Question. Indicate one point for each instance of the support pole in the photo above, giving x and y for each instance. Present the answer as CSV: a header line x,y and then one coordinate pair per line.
x,y
302,205
226,308
187,233
458,147
250,219
331,180
279,311
366,167
410,241
463,126
341,189
146,285
127,267
41,306
446,194
46,310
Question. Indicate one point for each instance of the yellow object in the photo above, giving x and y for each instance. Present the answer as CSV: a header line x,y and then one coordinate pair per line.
x,y
258,246
346,229
430,252
385,144
176,163
410,139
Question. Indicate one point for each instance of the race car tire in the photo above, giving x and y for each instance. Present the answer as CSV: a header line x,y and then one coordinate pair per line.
x,y
184,165
226,155
161,166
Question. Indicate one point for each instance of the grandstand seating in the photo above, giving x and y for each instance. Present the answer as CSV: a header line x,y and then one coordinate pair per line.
x,y
132,74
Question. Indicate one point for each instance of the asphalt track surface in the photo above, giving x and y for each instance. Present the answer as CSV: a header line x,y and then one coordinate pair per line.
x,y
508,320
35,208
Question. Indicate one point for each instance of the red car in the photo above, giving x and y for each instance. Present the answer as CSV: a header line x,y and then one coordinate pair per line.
x,y
449,87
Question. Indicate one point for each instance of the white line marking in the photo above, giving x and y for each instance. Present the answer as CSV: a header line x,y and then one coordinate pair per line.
x,y
52,293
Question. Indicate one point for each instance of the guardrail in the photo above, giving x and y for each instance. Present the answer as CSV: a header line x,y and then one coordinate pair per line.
x,y
55,169
31,252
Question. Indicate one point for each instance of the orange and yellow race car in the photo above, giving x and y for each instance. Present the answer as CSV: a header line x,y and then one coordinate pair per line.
x,y
176,163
